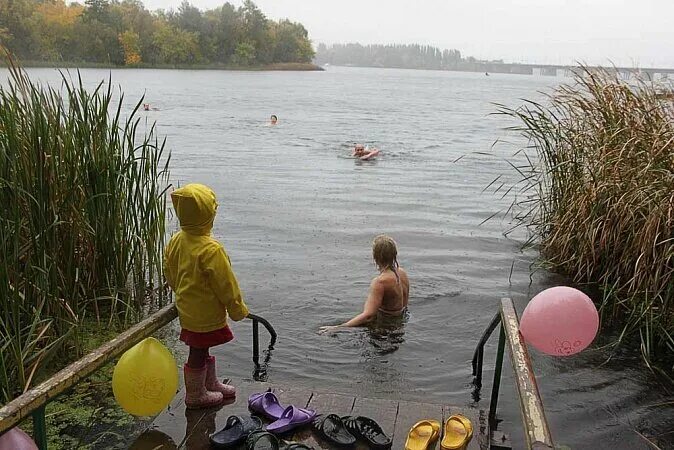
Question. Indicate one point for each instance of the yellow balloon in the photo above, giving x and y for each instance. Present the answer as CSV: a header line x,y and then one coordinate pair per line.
x,y
145,378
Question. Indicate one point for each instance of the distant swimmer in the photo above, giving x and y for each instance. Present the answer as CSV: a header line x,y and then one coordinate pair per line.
x,y
146,106
364,153
273,120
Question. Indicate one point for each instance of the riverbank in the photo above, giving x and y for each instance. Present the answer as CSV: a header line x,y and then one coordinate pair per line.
x,y
275,67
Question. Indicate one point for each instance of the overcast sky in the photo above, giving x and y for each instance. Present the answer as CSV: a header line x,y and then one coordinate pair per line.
x,y
627,32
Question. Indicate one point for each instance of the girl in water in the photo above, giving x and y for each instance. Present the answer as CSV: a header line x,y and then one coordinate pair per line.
x,y
389,291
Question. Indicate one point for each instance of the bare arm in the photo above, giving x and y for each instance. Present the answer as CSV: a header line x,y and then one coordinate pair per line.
x,y
370,309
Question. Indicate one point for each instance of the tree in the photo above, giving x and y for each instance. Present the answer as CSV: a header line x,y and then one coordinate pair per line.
x,y
244,53
130,42
176,46
124,32
56,22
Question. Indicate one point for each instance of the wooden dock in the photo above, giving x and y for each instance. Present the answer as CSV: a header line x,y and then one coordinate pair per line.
x,y
180,428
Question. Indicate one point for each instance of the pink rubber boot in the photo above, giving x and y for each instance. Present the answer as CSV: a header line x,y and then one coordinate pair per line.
x,y
215,385
197,396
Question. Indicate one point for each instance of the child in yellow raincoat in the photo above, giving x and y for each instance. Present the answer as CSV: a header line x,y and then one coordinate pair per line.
x,y
198,270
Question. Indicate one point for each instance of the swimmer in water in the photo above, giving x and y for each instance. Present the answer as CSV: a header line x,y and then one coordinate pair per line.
x,y
389,291
273,120
364,153
146,106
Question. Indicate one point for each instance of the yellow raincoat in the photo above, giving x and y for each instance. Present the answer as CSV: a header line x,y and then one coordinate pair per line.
x,y
197,267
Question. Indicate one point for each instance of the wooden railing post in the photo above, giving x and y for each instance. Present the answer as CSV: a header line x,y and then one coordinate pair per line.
x,y
35,399
536,429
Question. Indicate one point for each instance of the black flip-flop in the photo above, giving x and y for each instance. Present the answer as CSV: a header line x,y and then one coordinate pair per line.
x,y
332,429
297,446
235,432
262,440
367,430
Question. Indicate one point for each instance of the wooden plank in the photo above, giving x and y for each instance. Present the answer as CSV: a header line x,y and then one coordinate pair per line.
x,y
479,420
324,403
21,407
384,412
536,429
410,413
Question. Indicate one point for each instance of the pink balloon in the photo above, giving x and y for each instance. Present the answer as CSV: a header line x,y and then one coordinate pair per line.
x,y
560,321
16,439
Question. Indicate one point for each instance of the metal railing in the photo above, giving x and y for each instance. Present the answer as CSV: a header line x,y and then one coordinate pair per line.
x,y
536,429
33,402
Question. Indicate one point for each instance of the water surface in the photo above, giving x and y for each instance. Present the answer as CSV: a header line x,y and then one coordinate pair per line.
x,y
297,217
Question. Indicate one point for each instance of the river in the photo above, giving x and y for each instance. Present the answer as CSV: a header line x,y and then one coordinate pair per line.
x,y
297,216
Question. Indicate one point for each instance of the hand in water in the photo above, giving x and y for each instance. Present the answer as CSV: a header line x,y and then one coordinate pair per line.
x,y
328,329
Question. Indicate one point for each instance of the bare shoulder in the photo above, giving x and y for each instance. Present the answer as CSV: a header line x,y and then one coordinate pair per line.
x,y
403,274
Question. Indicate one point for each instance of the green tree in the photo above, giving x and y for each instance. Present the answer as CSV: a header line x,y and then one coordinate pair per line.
x,y
176,46
244,53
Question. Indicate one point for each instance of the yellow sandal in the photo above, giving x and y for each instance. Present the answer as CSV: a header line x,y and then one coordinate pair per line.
x,y
422,435
458,433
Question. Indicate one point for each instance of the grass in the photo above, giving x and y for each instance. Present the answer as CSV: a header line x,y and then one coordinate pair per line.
x,y
597,197
82,223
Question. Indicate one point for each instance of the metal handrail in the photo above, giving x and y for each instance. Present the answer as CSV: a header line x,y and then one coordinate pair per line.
x,y
33,402
260,371
537,431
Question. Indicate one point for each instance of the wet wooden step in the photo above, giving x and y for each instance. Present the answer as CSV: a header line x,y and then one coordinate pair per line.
x,y
180,428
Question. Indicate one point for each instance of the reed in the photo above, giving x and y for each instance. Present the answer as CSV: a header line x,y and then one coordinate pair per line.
x,y
597,196
81,223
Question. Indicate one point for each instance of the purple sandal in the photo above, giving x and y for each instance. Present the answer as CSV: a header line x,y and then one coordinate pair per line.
x,y
266,404
291,418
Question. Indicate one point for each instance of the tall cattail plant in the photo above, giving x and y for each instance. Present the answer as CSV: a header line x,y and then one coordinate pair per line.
x,y
598,197
81,223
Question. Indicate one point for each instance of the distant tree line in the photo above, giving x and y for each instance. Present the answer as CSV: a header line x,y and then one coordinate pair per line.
x,y
125,33
413,56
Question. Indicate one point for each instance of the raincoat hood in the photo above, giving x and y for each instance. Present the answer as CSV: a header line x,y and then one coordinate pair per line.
x,y
195,207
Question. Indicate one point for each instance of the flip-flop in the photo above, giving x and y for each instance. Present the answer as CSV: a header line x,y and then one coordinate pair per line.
x,y
458,433
422,435
367,430
262,440
235,431
267,404
290,419
332,429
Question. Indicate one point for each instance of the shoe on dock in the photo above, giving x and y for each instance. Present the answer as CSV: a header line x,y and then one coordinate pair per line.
x,y
333,430
262,440
291,418
423,435
458,433
235,432
368,431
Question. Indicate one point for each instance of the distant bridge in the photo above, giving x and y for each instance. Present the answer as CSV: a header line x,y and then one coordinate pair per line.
x,y
554,70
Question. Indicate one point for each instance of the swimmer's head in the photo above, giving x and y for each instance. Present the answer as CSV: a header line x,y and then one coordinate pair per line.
x,y
359,149
385,252
274,119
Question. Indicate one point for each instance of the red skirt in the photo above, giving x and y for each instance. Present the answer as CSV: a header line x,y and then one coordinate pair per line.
x,y
206,340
